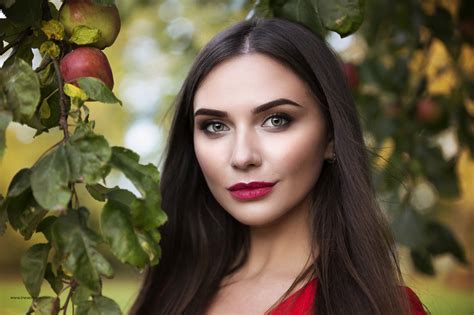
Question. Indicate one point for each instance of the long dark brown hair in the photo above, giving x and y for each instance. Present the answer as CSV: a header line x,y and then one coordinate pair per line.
x,y
356,267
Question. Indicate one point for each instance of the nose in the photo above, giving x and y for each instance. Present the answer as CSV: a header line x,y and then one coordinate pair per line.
x,y
246,149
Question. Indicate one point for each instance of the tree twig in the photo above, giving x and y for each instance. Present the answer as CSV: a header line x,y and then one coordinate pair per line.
x,y
69,295
16,41
62,100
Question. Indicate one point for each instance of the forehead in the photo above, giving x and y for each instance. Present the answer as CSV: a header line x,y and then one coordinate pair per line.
x,y
250,80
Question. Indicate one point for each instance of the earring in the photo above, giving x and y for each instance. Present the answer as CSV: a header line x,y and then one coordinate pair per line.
x,y
331,161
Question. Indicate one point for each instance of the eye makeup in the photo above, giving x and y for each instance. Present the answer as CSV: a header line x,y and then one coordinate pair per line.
x,y
205,124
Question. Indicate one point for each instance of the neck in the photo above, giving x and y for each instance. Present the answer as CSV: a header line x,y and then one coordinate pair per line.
x,y
281,249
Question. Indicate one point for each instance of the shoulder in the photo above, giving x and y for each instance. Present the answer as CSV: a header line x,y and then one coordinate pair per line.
x,y
415,303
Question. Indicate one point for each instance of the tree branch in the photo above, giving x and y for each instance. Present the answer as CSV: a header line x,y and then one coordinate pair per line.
x,y
16,41
62,100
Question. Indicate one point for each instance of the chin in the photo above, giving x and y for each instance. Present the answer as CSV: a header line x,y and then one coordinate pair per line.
x,y
256,219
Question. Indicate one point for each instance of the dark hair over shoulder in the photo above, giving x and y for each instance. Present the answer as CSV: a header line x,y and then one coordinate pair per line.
x,y
357,267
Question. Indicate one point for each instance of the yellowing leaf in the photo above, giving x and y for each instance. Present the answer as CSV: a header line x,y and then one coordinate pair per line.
x,y
441,77
466,60
50,48
53,29
45,111
84,35
75,92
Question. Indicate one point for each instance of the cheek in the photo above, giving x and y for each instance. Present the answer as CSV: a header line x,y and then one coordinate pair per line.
x,y
209,159
301,158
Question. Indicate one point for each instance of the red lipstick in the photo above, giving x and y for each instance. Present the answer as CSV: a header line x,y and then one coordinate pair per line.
x,y
252,190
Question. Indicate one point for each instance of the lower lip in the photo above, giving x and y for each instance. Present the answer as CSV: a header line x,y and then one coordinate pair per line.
x,y
249,194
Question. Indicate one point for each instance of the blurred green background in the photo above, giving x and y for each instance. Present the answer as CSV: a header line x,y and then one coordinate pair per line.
x,y
150,59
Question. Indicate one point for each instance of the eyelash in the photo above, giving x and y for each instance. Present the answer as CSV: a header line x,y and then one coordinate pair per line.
x,y
203,126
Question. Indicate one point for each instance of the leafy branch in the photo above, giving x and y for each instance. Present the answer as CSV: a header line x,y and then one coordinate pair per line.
x,y
43,198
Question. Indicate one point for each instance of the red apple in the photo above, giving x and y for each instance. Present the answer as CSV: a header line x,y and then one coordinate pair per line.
x,y
86,62
350,71
428,111
105,18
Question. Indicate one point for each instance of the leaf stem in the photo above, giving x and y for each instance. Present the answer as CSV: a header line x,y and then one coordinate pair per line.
x,y
44,63
62,101
69,295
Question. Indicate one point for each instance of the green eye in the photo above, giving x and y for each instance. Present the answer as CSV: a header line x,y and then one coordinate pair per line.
x,y
278,120
217,126
213,127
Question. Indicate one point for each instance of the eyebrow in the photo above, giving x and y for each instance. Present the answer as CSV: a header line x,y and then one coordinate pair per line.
x,y
259,109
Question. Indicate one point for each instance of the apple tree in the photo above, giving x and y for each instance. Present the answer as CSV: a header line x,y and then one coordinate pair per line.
x,y
42,198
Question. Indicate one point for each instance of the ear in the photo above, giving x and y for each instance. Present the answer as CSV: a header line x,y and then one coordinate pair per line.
x,y
328,152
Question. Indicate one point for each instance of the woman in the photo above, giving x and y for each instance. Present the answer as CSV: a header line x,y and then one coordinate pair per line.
x,y
267,187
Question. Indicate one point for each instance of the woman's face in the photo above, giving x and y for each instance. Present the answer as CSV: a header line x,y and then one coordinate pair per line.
x,y
237,141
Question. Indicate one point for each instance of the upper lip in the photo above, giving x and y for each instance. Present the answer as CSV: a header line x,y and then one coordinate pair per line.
x,y
251,185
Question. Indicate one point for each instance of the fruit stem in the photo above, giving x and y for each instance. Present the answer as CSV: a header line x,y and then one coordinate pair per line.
x,y
62,101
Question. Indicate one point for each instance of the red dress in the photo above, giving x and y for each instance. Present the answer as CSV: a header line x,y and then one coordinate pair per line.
x,y
303,302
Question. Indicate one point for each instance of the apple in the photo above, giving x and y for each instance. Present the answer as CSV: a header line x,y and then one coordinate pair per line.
x,y
428,111
350,71
105,18
86,62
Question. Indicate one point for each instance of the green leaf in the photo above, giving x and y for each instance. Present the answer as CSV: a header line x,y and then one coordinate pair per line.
x,y
76,244
146,178
118,231
98,192
149,241
21,51
5,4
442,240
49,179
20,183
45,227
5,118
88,155
81,293
53,11
341,16
24,213
422,261
440,172
122,195
260,8
84,35
50,111
46,305
22,89
33,267
146,212
302,11
25,12
55,281
408,228
97,90
9,31
100,305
